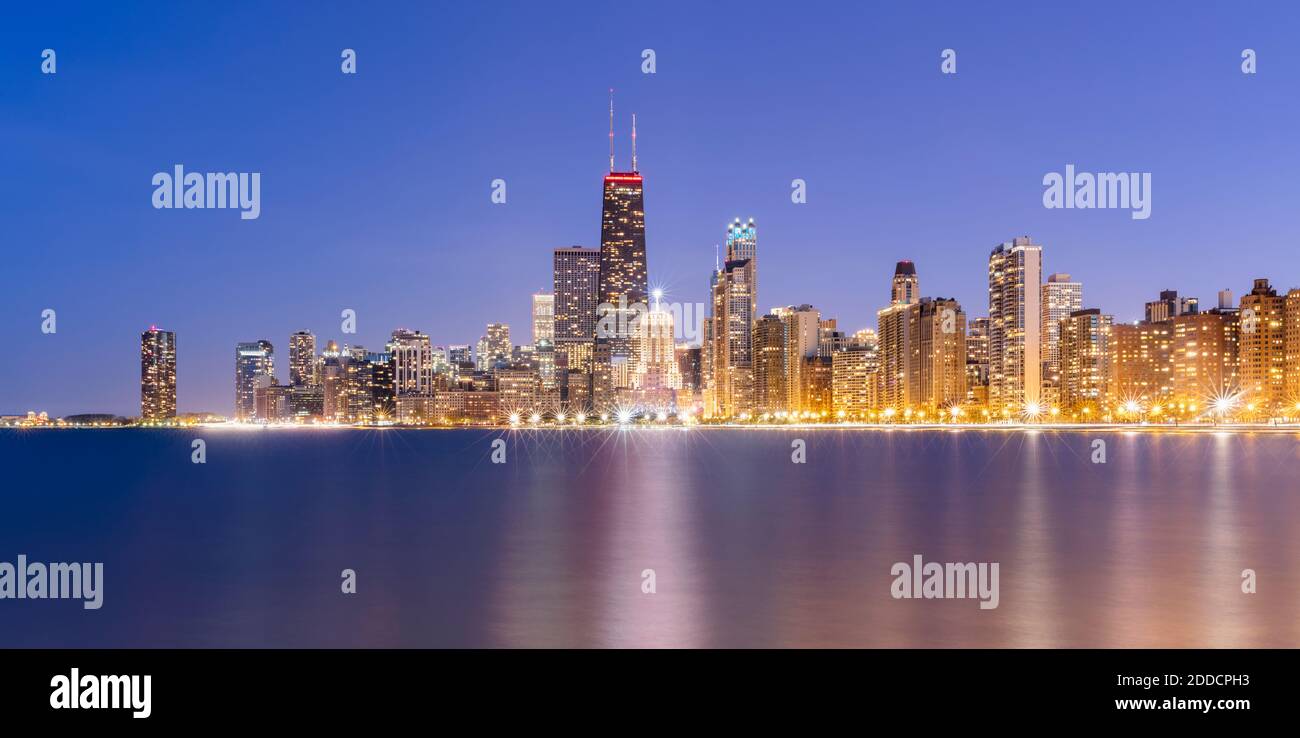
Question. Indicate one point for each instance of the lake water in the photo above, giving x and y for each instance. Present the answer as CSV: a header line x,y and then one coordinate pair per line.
x,y
748,549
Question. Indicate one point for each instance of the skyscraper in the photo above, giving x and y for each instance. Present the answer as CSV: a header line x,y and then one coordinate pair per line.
x,y
977,363
623,275
302,359
157,374
802,332
543,318
770,345
1263,347
576,279
729,390
891,332
935,365
411,354
252,359
1291,344
1084,360
498,345
1204,358
1015,330
1060,298
1141,363
905,288
854,377
742,243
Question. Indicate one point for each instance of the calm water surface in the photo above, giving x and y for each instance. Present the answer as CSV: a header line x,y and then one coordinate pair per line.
x,y
748,548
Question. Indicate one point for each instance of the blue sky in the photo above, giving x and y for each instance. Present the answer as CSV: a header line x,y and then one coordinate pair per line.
x,y
375,187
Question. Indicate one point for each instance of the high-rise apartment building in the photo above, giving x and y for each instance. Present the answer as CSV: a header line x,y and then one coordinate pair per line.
x,y
157,374
803,333
892,334
1015,329
1204,358
1141,364
770,344
854,376
1085,354
1262,348
1291,344
977,363
1060,298
935,367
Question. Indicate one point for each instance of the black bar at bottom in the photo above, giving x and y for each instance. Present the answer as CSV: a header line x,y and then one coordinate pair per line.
x,y
536,688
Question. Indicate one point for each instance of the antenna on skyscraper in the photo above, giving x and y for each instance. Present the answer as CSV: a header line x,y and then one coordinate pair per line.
x,y
717,265
634,142
611,129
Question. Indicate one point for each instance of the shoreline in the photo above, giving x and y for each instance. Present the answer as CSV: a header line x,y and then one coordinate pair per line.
x,y
1234,428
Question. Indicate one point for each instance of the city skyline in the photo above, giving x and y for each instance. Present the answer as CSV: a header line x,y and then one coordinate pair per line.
x,y
958,170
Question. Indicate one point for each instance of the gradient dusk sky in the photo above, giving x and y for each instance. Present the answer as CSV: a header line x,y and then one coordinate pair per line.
x,y
375,187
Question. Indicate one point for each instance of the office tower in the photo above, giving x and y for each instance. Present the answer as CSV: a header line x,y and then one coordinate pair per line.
x,y
1141,363
769,365
1225,300
270,400
1060,298
854,375
690,363
1204,359
623,280
1015,330
460,353
656,352
306,401
252,359
360,385
935,366
977,363
905,288
1262,348
498,345
548,378
729,390
157,374
412,359
1085,354
543,318
576,278
334,383
1170,306
803,333
302,358
383,384
742,243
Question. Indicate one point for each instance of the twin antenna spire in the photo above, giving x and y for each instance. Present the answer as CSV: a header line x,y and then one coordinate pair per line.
x,y
611,134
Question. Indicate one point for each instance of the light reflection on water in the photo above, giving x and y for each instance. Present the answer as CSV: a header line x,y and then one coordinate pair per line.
x,y
748,549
